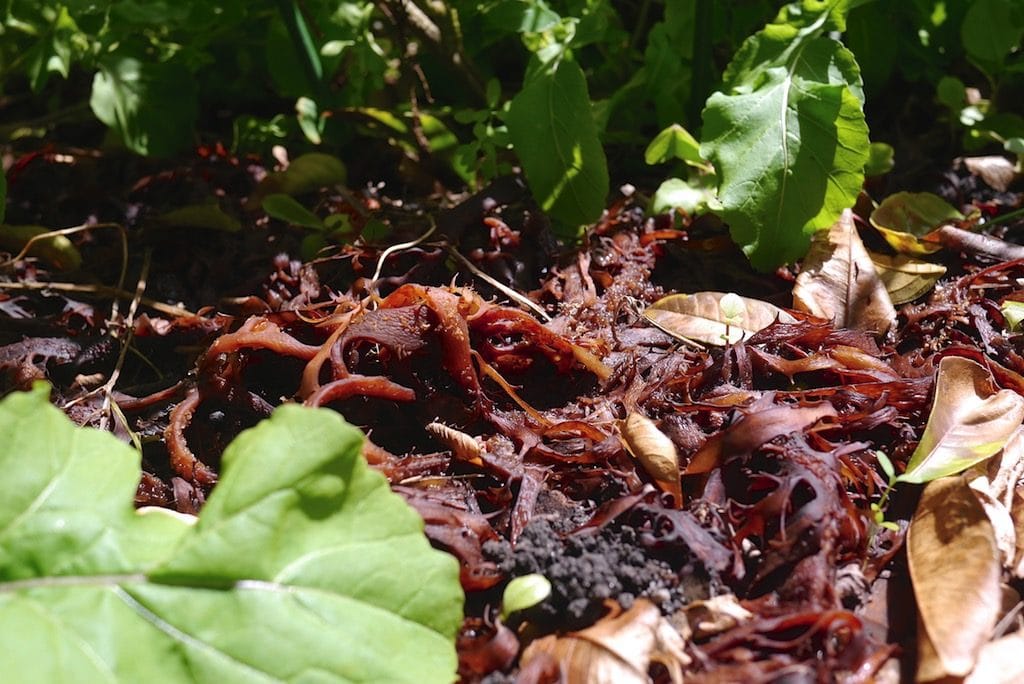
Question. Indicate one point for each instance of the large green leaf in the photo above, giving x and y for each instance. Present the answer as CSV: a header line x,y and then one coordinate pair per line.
x,y
554,134
787,134
302,566
153,106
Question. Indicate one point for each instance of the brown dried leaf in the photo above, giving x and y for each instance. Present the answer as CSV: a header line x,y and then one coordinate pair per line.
x,y
999,662
839,282
955,570
617,650
654,450
969,421
997,172
906,278
700,317
706,618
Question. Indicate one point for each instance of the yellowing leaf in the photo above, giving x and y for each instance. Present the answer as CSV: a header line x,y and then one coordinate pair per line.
x,y
955,570
906,278
617,650
969,422
905,217
699,317
654,450
839,282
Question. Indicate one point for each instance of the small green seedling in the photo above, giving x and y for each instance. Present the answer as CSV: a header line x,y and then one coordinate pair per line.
x,y
524,592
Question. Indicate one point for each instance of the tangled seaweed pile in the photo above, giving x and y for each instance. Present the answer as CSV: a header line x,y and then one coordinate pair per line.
x,y
502,427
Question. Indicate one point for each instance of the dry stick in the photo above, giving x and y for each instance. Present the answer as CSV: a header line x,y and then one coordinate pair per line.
x,y
398,248
99,290
129,328
979,244
78,229
508,291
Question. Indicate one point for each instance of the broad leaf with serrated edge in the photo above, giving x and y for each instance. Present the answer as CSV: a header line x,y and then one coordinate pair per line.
x,y
302,564
787,135
699,316
969,422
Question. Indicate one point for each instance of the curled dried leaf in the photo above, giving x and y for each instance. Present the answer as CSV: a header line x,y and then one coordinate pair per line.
x,y
701,316
713,616
464,447
617,650
654,450
839,282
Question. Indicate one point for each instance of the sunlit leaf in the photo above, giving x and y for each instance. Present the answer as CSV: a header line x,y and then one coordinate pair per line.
x,y
969,421
787,135
554,135
616,650
905,217
1013,312
699,317
675,142
838,282
906,278
301,553
676,193
955,570
653,450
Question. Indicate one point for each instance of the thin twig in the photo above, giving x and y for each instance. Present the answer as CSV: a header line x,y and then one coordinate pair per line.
x,y
508,291
101,291
398,248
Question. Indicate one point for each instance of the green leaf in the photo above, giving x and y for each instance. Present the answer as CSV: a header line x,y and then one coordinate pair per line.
x,y
881,159
676,193
886,465
287,209
990,30
152,106
787,136
303,565
524,592
1013,312
205,216
951,92
554,135
969,422
1012,145
903,218
310,122
675,142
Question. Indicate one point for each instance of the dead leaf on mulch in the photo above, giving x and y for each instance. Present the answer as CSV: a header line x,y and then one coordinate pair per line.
x,y
617,650
955,570
997,172
906,278
969,422
706,618
654,451
999,662
716,318
839,281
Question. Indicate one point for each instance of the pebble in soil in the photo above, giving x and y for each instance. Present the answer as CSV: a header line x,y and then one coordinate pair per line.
x,y
587,570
